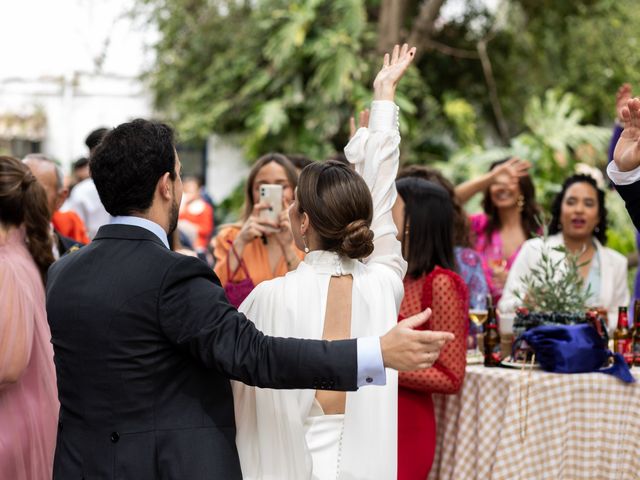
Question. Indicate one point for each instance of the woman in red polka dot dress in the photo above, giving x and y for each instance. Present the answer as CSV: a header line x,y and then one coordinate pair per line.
x,y
423,214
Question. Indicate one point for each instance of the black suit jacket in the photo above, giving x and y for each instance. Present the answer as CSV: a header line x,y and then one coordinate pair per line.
x,y
631,196
145,343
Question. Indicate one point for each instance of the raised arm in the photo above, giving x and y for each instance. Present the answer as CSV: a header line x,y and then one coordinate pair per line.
x,y
514,168
374,151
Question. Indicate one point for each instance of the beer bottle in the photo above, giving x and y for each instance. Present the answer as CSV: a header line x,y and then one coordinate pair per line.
x,y
635,338
491,339
622,336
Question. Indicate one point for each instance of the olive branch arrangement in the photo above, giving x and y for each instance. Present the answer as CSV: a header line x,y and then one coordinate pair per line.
x,y
554,285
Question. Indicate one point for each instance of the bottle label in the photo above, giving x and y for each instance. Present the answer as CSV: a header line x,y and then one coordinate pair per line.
x,y
623,347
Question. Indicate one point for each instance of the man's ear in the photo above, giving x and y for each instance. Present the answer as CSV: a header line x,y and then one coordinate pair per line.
x,y
62,196
164,186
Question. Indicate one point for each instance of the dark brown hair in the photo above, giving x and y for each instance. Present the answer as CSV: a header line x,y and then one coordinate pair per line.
x,y
278,158
428,226
24,201
339,206
461,228
530,210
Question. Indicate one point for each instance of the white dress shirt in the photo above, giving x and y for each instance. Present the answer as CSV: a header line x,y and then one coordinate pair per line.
x,y
85,201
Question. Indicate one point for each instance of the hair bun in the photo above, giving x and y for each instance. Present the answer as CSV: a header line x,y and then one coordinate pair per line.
x,y
358,240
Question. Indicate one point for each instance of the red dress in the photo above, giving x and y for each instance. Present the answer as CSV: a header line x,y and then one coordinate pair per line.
x,y
446,294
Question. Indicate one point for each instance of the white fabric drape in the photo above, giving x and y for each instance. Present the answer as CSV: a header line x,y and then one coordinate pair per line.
x,y
270,437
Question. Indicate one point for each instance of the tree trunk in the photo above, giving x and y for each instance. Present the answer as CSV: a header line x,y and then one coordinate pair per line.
x,y
390,24
424,25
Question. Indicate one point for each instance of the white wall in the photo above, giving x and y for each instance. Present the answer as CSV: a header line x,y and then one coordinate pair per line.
x,y
75,106
226,167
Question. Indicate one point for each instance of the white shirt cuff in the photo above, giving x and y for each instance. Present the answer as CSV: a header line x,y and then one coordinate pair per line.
x,y
384,116
622,178
370,365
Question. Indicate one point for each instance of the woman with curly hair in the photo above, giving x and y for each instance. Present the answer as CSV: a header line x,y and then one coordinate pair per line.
x,y
579,222
28,395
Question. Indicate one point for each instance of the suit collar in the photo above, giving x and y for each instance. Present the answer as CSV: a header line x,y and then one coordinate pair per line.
x,y
127,232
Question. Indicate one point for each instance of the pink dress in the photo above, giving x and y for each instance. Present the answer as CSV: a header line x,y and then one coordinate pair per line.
x,y
490,248
28,393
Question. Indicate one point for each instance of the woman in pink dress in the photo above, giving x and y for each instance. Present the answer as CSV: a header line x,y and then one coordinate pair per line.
x,y
509,218
28,395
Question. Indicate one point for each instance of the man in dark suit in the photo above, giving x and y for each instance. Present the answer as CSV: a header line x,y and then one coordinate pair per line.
x,y
50,176
624,171
145,341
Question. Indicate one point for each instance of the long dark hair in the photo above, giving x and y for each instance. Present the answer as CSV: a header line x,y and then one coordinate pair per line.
x,y
428,220
530,210
338,203
24,201
280,159
461,228
556,208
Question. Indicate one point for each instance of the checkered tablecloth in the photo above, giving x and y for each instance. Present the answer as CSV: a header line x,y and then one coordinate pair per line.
x,y
579,426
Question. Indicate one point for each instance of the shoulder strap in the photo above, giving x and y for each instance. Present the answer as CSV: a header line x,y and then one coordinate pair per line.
x,y
240,262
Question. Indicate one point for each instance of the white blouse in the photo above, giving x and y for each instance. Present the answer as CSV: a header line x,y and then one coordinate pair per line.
x,y
270,423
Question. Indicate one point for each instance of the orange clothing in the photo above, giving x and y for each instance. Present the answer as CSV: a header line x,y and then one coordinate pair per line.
x,y
199,213
255,256
69,224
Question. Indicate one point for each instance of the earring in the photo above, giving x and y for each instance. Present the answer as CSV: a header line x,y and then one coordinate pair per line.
x,y
520,202
304,240
597,230
559,226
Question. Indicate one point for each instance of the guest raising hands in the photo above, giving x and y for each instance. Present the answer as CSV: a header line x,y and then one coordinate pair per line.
x,y
509,217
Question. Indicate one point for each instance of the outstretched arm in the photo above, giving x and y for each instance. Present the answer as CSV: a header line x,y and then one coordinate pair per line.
x,y
374,150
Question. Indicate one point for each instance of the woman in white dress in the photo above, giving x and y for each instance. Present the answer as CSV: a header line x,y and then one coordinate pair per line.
x,y
339,217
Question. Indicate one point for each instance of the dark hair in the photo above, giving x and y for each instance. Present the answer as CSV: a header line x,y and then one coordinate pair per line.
x,y
80,163
339,157
24,201
339,206
128,163
95,137
428,219
556,207
461,227
299,160
280,159
530,210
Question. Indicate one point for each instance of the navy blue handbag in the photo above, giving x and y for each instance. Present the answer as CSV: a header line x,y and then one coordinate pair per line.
x,y
574,349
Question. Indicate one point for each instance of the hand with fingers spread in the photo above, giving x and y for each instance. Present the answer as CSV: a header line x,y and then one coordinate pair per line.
x,y
515,168
405,349
393,68
627,152
623,95
364,122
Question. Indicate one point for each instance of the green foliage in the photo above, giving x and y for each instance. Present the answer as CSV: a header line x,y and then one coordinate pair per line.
x,y
281,75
